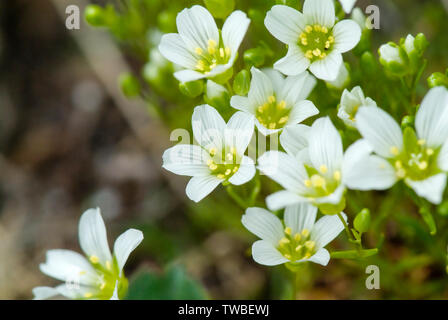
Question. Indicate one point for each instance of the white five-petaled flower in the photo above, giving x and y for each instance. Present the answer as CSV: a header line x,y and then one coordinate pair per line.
x,y
219,157
100,276
299,239
314,40
200,47
419,157
351,101
311,170
277,102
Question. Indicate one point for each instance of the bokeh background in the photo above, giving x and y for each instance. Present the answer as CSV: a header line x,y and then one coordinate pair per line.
x,y
70,140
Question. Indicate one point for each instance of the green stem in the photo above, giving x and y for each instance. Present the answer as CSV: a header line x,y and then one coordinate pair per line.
x,y
236,197
295,289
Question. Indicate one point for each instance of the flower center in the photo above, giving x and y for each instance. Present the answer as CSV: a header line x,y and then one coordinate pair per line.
x,y
273,114
316,42
208,58
296,246
321,182
416,163
223,164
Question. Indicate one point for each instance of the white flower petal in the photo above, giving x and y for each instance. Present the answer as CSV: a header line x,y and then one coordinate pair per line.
x,y
294,89
390,53
173,48
245,172
188,75
200,187
322,257
125,244
266,254
300,216
234,30
431,121
380,130
347,5
282,199
242,104
239,131
208,127
325,145
326,229
285,23
333,198
319,12
443,157
43,293
196,26
301,111
431,189
66,265
327,68
283,169
187,160
93,237
370,173
293,63
263,224
294,138
260,87
347,34
77,292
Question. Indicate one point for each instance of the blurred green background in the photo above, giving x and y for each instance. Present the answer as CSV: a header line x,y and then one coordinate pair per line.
x,y
69,141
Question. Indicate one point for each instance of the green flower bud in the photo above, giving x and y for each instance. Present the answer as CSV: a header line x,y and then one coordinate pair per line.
x,y
241,84
368,63
95,15
437,79
421,43
216,95
362,221
130,85
220,8
407,122
254,57
192,89
393,58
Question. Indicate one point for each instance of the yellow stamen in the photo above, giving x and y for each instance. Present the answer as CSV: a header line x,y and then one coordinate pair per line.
x,y
323,168
423,165
337,175
228,171
305,233
297,237
317,181
271,99
108,265
288,231
324,30
284,241
308,183
394,150
198,51
94,259
421,142
308,29
317,52
309,54
429,152
310,245
212,151
88,295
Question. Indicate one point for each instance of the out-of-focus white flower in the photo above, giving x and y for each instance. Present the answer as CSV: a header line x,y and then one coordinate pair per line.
x,y
299,239
351,101
101,274
418,157
219,157
342,80
310,171
277,102
314,40
347,5
199,47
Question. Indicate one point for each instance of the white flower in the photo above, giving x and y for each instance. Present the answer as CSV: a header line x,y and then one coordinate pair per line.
x,y
390,53
347,5
218,158
418,157
277,102
101,274
200,47
351,101
342,80
298,240
310,171
313,39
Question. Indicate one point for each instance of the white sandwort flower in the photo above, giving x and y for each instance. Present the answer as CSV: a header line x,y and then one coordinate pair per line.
x,y
277,102
314,40
351,101
219,157
342,80
100,275
310,171
298,239
199,47
418,157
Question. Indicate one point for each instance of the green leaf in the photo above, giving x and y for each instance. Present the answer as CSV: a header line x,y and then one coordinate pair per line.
x,y
173,284
429,220
353,254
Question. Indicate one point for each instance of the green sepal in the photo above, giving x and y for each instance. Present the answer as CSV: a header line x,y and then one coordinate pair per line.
x,y
353,254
